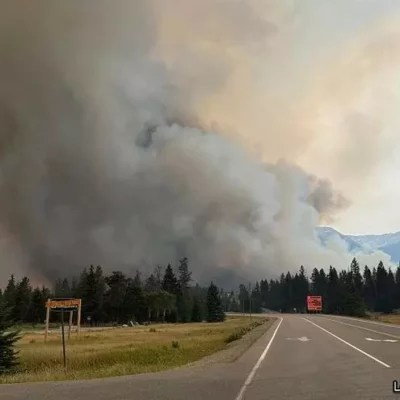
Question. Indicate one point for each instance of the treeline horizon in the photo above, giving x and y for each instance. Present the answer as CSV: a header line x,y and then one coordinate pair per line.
x,y
169,295
166,295
351,292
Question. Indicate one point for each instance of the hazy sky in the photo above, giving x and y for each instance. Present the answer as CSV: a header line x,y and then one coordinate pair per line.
x,y
84,180
321,91
345,71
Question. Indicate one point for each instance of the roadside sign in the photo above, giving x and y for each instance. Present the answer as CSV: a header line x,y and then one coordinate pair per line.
x,y
314,303
64,304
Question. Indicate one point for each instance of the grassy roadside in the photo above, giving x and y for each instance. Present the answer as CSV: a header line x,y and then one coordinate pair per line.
x,y
375,317
124,351
387,318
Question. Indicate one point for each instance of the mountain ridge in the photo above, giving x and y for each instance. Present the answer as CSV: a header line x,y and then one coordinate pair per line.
x,y
389,243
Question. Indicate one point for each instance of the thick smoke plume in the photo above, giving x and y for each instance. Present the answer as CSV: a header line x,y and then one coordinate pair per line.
x,y
112,151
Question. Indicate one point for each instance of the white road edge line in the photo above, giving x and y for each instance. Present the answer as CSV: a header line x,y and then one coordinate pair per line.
x,y
258,363
362,327
349,344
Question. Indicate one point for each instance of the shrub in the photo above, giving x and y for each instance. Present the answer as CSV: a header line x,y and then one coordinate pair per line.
x,y
239,333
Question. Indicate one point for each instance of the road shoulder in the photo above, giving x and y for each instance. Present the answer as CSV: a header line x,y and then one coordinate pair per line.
x,y
234,350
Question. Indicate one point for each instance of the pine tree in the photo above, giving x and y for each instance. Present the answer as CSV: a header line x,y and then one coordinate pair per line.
x,y
383,304
256,299
369,289
100,290
9,292
314,282
299,288
114,297
37,307
374,273
62,289
46,294
184,303
215,312
287,293
354,305
391,290
134,301
170,284
275,299
23,294
197,315
244,299
353,301
185,276
333,300
356,275
151,283
302,290
8,339
322,287
264,288
397,279
92,288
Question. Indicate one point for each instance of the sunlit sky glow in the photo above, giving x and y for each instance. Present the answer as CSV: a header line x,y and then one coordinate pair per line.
x,y
324,93
347,56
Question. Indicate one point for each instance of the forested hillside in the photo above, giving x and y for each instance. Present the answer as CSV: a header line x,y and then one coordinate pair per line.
x,y
168,294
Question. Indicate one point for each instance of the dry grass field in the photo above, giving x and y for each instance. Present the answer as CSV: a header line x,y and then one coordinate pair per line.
x,y
123,351
388,318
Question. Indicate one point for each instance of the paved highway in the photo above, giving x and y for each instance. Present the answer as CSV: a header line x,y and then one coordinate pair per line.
x,y
300,357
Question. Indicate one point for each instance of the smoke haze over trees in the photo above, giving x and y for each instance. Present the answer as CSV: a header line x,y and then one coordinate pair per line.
x,y
122,144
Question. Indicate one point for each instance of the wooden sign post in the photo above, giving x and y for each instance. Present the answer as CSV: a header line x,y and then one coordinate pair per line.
x,y
62,305
71,315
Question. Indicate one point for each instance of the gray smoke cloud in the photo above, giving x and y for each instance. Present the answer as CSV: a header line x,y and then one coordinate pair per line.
x,y
108,154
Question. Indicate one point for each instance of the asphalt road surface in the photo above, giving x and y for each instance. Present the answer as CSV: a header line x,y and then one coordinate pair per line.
x,y
300,357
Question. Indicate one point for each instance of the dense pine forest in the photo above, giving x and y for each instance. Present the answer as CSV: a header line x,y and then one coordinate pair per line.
x,y
169,294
